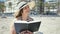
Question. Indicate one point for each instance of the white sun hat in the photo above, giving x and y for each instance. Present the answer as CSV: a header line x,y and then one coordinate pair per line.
x,y
23,4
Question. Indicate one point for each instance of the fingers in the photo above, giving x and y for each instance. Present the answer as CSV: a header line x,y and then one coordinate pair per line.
x,y
22,32
26,32
29,32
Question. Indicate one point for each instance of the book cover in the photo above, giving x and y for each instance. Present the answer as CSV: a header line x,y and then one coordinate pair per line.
x,y
31,26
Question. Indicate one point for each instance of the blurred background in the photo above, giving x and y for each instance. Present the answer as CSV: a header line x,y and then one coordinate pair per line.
x,y
47,11
43,7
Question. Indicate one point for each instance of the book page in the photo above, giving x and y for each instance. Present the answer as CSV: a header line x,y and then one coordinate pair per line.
x,y
19,21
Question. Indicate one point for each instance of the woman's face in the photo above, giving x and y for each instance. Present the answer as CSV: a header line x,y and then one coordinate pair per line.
x,y
26,9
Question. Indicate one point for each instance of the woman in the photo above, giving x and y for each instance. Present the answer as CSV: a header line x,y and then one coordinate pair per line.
x,y
23,12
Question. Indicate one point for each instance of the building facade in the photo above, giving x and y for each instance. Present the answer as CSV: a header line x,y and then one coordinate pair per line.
x,y
42,6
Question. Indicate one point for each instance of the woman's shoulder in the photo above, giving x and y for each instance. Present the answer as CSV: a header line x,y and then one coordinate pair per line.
x,y
20,19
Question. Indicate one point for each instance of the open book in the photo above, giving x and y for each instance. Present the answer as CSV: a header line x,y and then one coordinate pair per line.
x,y
31,26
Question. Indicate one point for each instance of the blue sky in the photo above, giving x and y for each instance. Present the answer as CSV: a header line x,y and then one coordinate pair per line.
x,y
5,0
49,0
2,0
45,0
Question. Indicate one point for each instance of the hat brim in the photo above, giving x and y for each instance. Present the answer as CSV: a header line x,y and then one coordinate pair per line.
x,y
31,4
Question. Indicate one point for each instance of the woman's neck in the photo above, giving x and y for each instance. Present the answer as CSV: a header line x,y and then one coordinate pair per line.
x,y
24,17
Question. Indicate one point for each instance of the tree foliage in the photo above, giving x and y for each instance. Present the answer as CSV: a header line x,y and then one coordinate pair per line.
x,y
2,7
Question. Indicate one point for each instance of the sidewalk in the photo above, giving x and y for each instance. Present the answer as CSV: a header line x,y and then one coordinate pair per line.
x,y
49,25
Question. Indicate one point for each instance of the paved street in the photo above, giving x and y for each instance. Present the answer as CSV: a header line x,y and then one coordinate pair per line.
x,y
49,25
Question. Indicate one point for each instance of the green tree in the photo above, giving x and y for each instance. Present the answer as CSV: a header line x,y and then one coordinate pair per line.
x,y
2,7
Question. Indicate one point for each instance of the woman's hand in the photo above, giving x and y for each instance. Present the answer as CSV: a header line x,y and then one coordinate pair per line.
x,y
26,32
